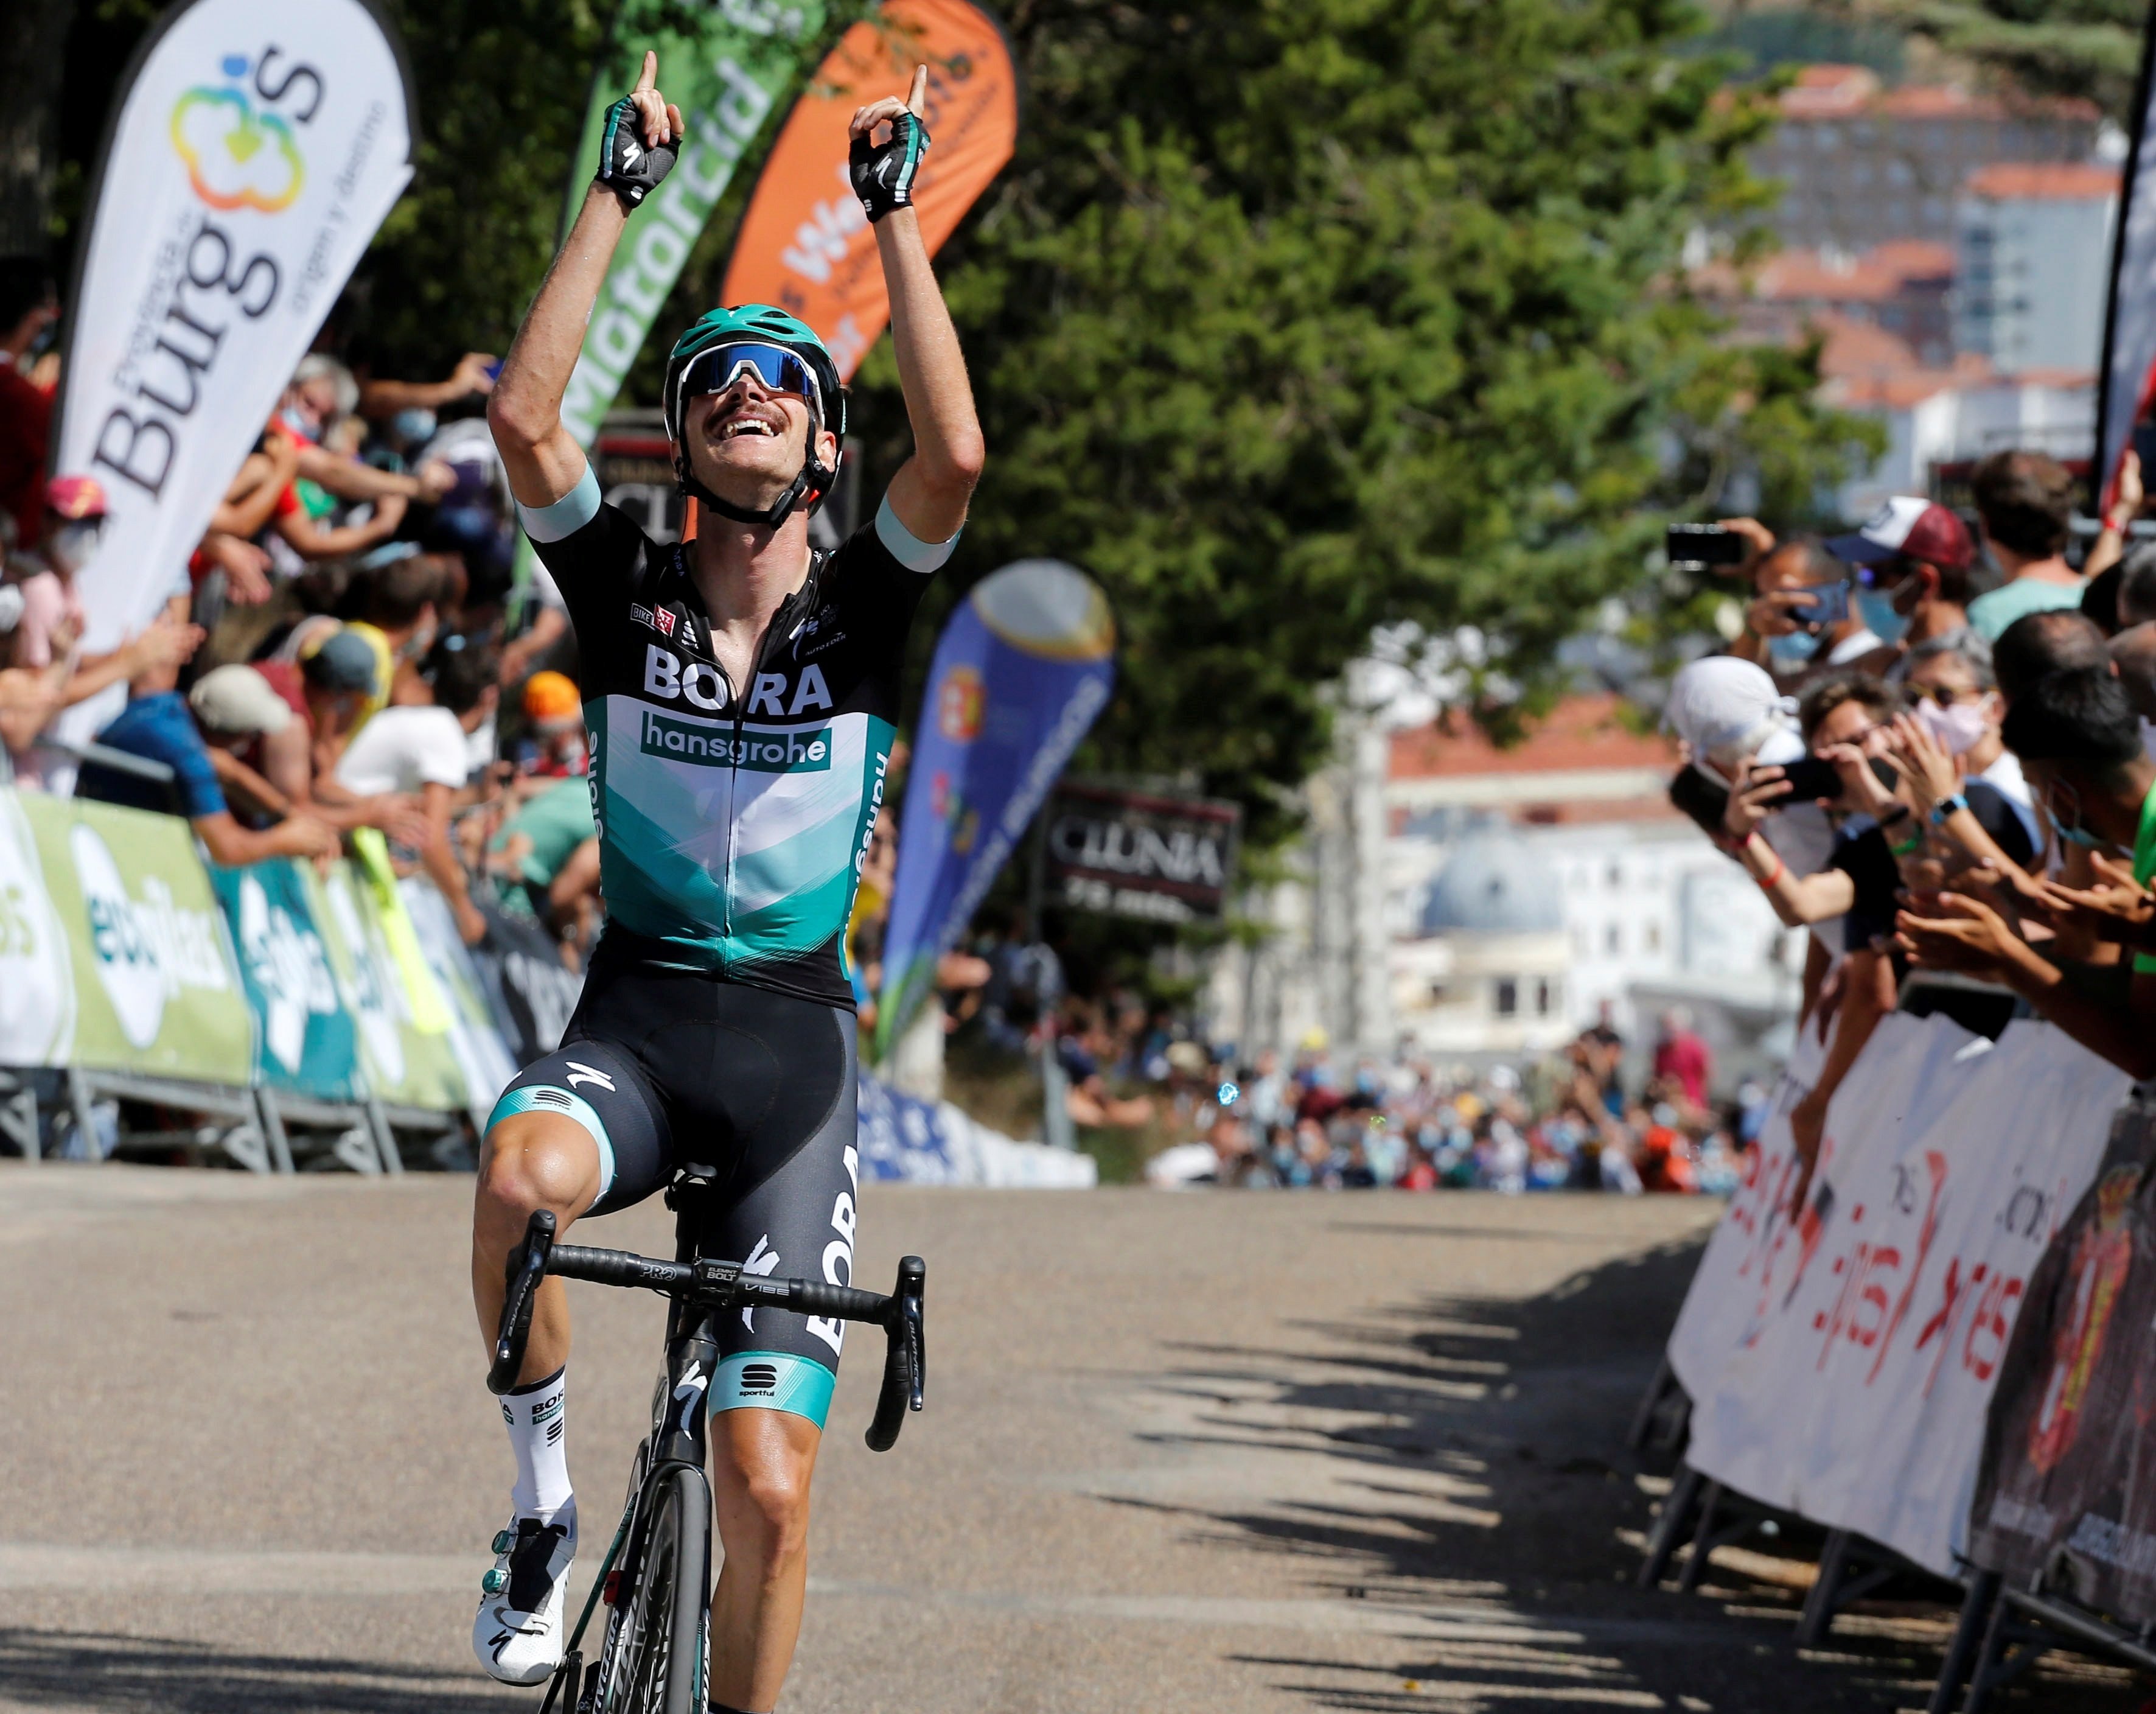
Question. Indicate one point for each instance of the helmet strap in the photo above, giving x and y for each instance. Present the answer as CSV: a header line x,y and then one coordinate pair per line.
x,y
808,489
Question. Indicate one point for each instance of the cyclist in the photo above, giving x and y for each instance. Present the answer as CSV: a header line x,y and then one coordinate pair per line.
x,y
741,691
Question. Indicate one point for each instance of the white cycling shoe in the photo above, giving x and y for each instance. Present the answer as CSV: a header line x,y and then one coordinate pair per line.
x,y
518,1634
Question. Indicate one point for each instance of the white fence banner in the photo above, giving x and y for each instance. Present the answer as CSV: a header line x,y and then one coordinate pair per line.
x,y
1842,1366
253,152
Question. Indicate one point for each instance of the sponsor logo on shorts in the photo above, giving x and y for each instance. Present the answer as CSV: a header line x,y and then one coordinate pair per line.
x,y
759,1378
807,751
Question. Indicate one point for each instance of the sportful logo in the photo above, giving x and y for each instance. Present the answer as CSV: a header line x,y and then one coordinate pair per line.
x,y
238,157
761,1378
804,752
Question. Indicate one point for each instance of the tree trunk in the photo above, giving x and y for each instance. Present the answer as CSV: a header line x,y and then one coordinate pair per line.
x,y
32,45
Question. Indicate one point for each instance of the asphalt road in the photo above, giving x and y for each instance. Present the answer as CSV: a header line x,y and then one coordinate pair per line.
x,y
1191,1453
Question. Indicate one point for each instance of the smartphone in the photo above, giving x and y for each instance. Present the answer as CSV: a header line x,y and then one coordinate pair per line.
x,y
1814,777
1700,544
1702,799
1824,605
1811,779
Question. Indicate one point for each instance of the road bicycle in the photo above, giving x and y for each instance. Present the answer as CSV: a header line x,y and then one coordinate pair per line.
x,y
655,1580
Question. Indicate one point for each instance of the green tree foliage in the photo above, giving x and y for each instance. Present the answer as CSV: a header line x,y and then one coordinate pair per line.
x,y
501,87
2086,47
1288,322
1293,321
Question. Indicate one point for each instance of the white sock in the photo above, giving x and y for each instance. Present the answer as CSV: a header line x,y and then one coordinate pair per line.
x,y
537,1416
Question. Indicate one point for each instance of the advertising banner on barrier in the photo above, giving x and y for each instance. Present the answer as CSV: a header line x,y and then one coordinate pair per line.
x,y
804,243
1722,1307
726,72
253,151
155,990
37,965
2066,1489
1022,666
533,996
1873,1330
484,1061
405,1066
305,1041
913,1141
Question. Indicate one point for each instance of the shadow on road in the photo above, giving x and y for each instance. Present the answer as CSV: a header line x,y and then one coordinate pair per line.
x,y
79,1670
1462,1462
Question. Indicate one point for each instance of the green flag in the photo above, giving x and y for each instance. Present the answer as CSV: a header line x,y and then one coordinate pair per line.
x,y
727,74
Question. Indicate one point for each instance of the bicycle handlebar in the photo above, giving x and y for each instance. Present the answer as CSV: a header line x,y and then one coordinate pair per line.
x,y
723,1285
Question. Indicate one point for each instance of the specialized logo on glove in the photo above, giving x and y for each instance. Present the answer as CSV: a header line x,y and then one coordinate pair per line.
x,y
883,174
627,168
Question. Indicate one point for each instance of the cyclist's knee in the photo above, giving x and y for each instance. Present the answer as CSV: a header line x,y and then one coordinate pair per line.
x,y
764,1477
777,1510
537,1161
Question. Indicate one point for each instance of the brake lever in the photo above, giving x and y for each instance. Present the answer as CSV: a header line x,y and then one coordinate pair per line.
x,y
525,1268
904,1366
912,1281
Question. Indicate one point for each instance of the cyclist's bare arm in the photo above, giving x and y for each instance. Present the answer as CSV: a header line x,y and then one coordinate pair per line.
x,y
542,458
930,489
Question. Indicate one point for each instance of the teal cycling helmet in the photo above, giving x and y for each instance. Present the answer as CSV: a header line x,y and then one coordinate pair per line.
x,y
758,324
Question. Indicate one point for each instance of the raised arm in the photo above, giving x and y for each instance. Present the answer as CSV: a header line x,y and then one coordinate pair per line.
x,y
930,489
543,458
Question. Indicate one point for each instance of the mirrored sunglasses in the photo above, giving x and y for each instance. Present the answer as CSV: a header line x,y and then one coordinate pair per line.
x,y
775,368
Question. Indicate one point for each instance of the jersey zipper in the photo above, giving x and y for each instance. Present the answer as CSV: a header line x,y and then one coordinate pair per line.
x,y
803,595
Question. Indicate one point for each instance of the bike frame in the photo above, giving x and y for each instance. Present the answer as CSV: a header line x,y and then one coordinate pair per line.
x,y
701,1289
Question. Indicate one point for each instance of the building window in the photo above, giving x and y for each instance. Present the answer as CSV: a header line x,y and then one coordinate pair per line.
x,y
1613,939
1508,997
1542,998
1615,876
1654,937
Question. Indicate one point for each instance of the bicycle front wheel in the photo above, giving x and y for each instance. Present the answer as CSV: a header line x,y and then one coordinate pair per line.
x,y
667,1611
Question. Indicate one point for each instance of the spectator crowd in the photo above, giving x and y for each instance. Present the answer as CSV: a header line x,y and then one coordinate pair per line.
x,y
1565,1122
1942,770
343,661
1929,747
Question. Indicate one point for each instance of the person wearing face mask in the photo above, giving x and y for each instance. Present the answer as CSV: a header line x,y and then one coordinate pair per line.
x,y
73,526
1913,559
1959,705
1801,619
2080,745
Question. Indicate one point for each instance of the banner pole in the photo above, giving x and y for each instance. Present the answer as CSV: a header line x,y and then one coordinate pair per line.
x,y
2105,464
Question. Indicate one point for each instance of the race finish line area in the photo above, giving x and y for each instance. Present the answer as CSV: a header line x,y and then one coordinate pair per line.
x,y
1183,1452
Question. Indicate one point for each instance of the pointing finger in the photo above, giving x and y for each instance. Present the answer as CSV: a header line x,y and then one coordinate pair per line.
x,y
917,102
648,78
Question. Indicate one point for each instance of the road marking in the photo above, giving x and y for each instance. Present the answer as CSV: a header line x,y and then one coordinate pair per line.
x,y
198,1571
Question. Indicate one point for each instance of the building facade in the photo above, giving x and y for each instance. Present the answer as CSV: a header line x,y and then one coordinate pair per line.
x,y
1483,904
1862,165
2032,244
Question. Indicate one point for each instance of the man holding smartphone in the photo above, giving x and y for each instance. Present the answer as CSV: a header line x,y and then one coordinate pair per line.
x,y
1801,617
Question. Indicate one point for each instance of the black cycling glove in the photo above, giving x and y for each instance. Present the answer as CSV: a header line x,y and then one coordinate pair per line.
x,y
883,174
628,169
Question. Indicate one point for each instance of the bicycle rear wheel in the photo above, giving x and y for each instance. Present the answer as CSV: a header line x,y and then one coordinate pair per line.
x,y
666,1611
